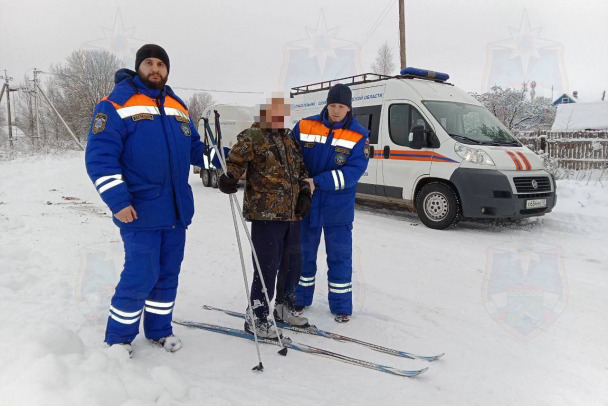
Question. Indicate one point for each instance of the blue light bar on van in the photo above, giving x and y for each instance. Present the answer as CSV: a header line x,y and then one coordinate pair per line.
x,y
423,73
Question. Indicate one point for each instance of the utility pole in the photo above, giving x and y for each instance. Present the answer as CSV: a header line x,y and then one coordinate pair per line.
x,y
402,32
8,104
36,71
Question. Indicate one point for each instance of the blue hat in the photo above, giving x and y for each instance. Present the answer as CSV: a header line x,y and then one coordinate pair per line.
x,y
341,94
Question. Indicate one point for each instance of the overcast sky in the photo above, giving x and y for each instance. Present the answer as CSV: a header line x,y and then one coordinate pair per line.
x,y
265,45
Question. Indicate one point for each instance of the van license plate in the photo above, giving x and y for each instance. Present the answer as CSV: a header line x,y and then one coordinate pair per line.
x,y
536,203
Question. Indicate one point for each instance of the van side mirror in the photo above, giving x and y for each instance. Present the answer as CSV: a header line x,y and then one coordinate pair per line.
x,y
419,137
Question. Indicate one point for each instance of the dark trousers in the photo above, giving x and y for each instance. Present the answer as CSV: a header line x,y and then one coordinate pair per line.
x,y
277,244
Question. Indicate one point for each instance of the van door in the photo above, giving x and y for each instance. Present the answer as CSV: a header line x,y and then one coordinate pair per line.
x,y
369,117
401,166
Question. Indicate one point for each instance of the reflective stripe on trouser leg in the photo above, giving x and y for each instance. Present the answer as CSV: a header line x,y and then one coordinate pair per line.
x,y
139,275
311,237
339,246
158,310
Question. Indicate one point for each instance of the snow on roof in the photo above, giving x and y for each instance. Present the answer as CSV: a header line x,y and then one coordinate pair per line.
x,y
581,116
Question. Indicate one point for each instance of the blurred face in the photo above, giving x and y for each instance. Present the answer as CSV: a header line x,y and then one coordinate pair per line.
x,y
337,112
272,115
153,72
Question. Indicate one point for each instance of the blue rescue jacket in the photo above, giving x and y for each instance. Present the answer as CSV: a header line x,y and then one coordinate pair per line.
x,y
140,147
336,157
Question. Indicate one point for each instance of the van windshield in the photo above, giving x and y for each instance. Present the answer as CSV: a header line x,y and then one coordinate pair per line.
x,y
470,124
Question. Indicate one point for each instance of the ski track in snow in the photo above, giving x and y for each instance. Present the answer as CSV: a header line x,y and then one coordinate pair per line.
x,y
415,289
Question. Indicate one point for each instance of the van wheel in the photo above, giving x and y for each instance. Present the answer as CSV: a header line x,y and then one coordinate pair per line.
x,y
215,179
205,177
438,206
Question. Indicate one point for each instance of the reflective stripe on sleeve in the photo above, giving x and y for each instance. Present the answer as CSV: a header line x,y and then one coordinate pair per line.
x,y
336,181
109,185
106,178
341,176
307,279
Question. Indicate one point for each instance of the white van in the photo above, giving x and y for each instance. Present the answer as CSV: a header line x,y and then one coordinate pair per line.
x,y
437,149
233,120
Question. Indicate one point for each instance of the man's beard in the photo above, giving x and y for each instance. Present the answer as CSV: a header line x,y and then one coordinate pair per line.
x,y
154,85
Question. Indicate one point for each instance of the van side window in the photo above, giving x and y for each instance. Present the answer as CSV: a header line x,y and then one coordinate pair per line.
x,y
369,117
401,119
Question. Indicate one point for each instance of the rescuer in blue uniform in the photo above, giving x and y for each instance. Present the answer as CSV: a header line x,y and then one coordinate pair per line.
x,y
335,148
140,147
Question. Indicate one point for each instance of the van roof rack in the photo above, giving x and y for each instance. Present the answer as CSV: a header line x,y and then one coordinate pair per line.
x,y
349,80
355,80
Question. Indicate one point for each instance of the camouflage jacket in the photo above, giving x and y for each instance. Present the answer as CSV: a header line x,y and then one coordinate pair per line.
x,y
275,173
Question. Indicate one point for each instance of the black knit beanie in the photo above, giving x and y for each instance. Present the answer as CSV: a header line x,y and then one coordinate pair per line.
x,y
340,93
151,51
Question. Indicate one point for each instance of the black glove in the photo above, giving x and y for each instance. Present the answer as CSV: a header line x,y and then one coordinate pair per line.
x,y
228,184
303,203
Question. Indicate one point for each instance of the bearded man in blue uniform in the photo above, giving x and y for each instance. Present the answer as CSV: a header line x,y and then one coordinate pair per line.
x,y
335,148
141,144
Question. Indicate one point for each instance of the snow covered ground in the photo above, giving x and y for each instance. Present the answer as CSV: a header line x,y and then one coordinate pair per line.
x,y
519,308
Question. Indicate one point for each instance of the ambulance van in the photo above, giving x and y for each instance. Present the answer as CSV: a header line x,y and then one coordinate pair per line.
x,y
436,149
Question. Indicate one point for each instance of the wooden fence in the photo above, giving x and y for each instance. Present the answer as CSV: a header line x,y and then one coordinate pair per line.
x,y
569,150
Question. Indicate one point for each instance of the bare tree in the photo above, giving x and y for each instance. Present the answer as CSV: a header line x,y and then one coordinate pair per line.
x,y
516,110
79,84
384,64
197,103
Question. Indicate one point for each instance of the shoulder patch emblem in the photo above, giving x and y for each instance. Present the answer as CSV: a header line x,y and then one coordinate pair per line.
x,y
142,116
99,123
340,159
182,119
366,151
186,129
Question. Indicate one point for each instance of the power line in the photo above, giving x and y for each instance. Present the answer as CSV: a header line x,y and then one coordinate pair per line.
x,y
215,91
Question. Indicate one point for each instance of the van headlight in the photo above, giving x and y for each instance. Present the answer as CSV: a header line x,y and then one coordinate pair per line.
x,y
473,155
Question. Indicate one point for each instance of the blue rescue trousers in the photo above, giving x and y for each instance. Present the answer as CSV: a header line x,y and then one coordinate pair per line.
x,y
277,244
339,249
148,284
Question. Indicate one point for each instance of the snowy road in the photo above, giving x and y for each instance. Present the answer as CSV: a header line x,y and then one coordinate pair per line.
x,y
519,309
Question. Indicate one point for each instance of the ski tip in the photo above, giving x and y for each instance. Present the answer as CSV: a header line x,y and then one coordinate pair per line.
x,y
258,368
423,370
434,358
283,351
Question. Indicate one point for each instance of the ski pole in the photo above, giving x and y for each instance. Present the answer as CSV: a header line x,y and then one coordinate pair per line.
x,y
233,202
222,158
